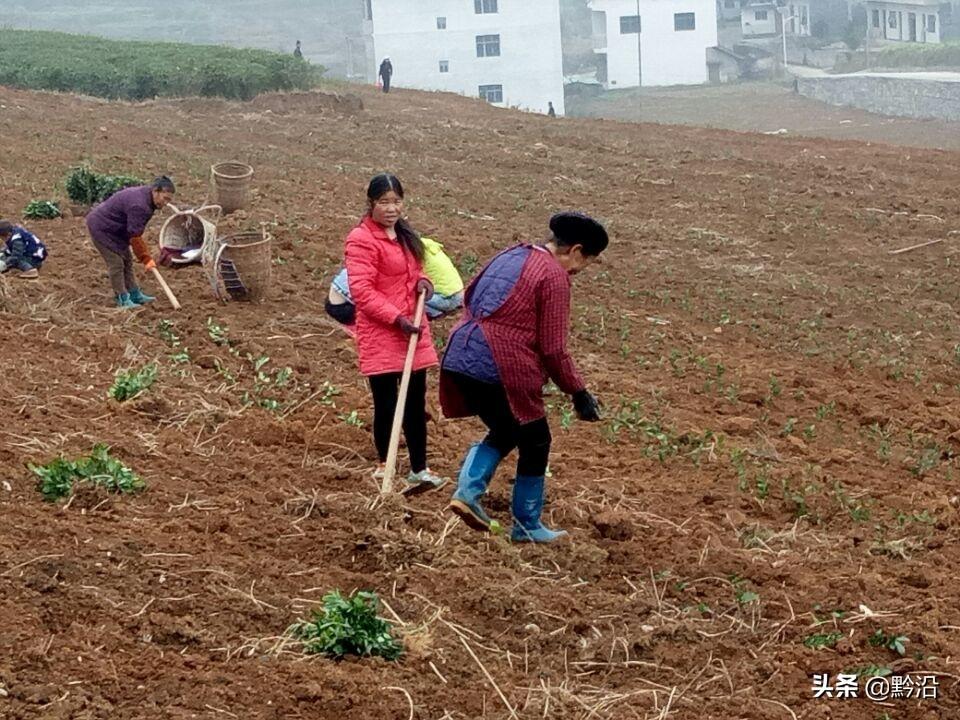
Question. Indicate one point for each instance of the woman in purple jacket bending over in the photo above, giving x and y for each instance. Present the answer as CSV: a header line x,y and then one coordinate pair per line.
x,y
116,226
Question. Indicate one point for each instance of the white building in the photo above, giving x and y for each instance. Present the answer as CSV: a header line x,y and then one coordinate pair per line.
x,y
909,21
653,42
762,18
797,16
506,51
759,18
729,10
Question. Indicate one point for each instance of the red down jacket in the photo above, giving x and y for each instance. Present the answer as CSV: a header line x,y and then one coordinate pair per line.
x,y
383,283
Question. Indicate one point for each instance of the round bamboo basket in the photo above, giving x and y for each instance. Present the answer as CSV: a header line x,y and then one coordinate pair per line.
x,y
231,185
239,266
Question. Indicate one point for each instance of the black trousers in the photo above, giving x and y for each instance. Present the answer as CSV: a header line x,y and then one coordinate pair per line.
x,y
386,390
386,83
531,440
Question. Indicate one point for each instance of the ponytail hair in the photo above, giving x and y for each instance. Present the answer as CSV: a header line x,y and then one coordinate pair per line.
x,y
406,235
410,239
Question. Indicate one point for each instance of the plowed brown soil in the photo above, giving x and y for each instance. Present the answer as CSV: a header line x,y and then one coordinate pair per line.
x,y
778,448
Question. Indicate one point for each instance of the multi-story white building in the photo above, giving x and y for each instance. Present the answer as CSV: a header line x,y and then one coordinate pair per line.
x,y
653,42
506,51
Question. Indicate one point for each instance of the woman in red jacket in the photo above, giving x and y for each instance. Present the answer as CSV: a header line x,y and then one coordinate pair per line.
x,y
384,262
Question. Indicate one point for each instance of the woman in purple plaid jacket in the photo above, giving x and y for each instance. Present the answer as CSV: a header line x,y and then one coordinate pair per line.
x,y
511,340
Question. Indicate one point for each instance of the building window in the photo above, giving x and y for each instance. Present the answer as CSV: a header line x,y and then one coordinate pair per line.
x,y
484,7
892,20
931,23
629,24
444,66
488,46
684,21
492,93
875,18
369,9
759,14
441,23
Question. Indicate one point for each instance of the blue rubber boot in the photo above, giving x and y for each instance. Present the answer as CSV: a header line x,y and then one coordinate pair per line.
x,y
528,497
478,468
124,301
138,297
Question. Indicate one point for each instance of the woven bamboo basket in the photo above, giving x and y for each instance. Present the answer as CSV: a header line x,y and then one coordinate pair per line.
x,y
239,266
189,229
231,185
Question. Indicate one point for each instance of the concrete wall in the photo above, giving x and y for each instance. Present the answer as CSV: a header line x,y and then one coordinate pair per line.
x,y
529,67
667,56
903,97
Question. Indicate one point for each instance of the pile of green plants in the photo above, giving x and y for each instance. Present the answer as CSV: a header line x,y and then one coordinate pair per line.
x,y
86,187
127,70
348,626
41,210
920,55
130,383
56,479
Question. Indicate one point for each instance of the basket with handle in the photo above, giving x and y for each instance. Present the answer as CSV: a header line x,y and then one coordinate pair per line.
x,y
231,184
189,228
239,266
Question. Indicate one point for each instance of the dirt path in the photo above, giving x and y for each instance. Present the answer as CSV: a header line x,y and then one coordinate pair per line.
x,y
764,108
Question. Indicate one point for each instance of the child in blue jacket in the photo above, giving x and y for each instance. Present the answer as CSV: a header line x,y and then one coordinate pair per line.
x,y
22,250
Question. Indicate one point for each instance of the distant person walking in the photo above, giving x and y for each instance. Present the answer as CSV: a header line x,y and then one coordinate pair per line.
x,y
297,52
386,72
550,111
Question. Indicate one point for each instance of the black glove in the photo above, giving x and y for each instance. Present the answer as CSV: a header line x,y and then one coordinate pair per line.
x,y
408,327
586,406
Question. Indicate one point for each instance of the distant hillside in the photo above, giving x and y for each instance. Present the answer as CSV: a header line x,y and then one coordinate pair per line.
x,y
324,26
138,70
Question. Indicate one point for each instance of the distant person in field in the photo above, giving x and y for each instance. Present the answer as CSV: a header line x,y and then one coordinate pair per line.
x,y
297,52
386,72
440,270
511,340
384,258
550,111
116,226
21,250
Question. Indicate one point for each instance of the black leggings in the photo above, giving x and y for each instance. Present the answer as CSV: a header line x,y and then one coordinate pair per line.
x,y
532,439
386,389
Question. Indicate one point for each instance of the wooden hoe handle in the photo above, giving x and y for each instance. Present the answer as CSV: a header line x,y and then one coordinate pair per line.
x,y
394,446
